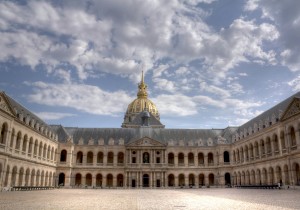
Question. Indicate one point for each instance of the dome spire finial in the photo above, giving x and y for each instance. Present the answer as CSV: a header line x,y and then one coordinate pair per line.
x,y
142,93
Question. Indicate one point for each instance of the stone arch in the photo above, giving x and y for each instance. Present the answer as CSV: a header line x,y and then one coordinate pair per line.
x,y
252,177
46,179
50,179
42,178
256,150
282,140
120,158
88,179
211,179
200,158
271,176
6,181
45,151
21,176
246,152
3,133
32,178
210,158
278,173
247,178
14,172
276,143
31,145
100,158
78,178
171,180
27,177
25,142
12,137
251,151
201,180
52,154
181,180
37,178
268,146
292,135
36,145
191,159
227,178
90,158
63,156
180,158
79,157
120,180
238,156
262,145
171,158
40,149
48,152
110,158
18,140
296,173
1,170
226,157
109,180
239,178
235,178
258,177
243,178
264,176
191,180
99,180
61,179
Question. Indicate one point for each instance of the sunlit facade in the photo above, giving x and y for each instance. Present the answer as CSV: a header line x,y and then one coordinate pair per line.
x,y
143,153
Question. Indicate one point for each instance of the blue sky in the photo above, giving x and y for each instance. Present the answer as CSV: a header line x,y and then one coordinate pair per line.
x,y
208,63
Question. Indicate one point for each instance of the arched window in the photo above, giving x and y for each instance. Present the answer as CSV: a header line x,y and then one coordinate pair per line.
x,y
180,159
191,158
293,137
63,156
18,142
171,159
110,158
120,158
100,158
210,158
3,133
200,158
89,158
88,179
226,157
79,157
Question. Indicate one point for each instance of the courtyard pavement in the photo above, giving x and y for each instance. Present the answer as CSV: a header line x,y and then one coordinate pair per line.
x,y
148,199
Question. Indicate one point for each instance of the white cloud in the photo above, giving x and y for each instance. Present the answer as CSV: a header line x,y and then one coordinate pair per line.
x,y
295,83
53,115
286,16
85,98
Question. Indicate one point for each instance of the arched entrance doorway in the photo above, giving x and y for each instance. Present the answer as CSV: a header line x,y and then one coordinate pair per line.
x,y
145,180
227,179
171,180
61,179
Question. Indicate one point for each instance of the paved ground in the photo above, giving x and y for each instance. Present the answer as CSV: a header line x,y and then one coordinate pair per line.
x,y
142,199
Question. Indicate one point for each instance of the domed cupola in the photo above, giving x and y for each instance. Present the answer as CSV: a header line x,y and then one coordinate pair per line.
x,y
139,105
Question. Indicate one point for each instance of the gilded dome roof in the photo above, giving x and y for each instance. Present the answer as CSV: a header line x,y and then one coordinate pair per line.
x,y
140,104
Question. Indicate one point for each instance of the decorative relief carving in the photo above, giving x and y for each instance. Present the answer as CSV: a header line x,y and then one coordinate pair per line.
x,y
146,142
4,106
121,141
111,141
292,110
210,142
191,143
171,142
91,142
181,143
101,141
221,140
81,141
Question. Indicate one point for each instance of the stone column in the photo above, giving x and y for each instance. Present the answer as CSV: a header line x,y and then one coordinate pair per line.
x,y
196,159
115,159
186,160
176,160
93,180
205,156
105,159
114,181
176,180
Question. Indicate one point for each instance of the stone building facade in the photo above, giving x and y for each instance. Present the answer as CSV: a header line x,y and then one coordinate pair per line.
x,y
143,153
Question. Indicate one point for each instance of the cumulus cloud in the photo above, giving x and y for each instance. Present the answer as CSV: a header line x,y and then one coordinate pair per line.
x,y
121,39
53,115
295,83
85,98
286,17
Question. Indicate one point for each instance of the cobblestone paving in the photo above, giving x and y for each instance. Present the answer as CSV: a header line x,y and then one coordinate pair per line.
x,y
148,199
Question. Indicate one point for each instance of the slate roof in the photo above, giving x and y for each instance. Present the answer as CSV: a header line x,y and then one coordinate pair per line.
x,y
18,108
276,110
152,120
131,134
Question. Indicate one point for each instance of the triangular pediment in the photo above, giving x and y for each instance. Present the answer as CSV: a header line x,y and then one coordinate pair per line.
x,y
292,110
4,104
146,142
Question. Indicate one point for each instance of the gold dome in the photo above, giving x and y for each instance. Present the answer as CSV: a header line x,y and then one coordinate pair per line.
x,y
140,104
